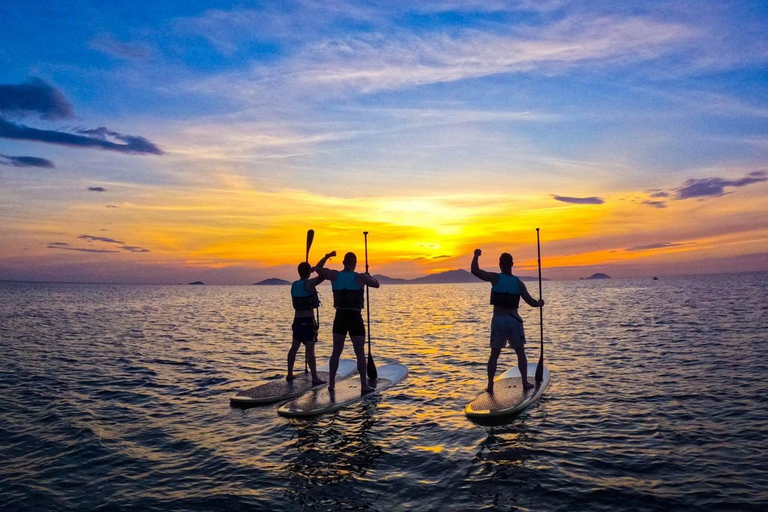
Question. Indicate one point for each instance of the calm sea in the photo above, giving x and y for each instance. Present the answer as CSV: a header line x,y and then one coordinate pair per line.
x,y
116,397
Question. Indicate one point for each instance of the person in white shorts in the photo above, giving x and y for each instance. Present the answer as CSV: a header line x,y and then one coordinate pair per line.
x,y
506,326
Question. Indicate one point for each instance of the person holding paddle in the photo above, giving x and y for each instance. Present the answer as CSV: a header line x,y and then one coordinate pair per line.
x,y
348,300
506,326
305,300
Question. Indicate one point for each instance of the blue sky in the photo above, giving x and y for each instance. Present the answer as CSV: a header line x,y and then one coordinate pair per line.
x,y
474,109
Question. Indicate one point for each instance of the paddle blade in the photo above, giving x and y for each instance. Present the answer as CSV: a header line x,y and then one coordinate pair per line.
x,y
371,370
310,238
540,370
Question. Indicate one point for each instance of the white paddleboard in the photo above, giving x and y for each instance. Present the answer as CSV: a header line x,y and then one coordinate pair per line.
x,y
280,389
508,396
347,392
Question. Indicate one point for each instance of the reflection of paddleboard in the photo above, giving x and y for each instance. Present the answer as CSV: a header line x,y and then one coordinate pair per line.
x,y
508,396
280,389
346,392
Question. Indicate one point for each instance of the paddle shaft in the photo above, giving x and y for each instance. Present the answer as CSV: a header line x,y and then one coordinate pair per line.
x,y
310,239
371,369
540,366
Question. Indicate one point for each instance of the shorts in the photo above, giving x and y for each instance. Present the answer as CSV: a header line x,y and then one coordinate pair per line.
x,y
348,320
304,329
507,328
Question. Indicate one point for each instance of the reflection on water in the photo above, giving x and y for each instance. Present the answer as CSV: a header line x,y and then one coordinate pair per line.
x,y
328,453
118,397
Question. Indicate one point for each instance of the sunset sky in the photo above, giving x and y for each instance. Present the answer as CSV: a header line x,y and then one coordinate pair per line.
x,y
176,141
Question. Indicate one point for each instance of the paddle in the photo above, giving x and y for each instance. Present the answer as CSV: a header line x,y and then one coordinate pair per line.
x,y
540,366
310,239
371,370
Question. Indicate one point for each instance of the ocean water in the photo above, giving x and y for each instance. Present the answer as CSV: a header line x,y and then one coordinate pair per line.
x,y
116,397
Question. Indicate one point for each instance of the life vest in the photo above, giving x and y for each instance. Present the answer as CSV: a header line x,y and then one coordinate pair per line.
x,y
506,292
347,293
302,299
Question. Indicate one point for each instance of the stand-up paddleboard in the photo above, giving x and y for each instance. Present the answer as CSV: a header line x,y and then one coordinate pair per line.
x,y
347,392
280,389
508,396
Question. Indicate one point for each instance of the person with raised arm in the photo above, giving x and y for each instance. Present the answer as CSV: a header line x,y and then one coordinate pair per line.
x,y
506,326
305,300
348,300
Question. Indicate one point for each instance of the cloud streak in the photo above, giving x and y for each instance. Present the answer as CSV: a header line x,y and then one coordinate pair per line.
x,y
579,200
100,239
92,139
26,161
662,245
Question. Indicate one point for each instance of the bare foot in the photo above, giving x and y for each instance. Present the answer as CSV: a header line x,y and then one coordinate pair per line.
x,y
317,382
366,390
527,385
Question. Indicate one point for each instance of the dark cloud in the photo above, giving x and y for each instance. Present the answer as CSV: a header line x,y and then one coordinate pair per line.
x,y
97,189
579,200
100,239
111,206
714,187
62,244
34,97
133,248
704,188
78,249
133,144
25,161
655,246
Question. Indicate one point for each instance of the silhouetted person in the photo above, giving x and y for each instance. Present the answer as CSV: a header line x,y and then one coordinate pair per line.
x,y
305,300
348,299
506,326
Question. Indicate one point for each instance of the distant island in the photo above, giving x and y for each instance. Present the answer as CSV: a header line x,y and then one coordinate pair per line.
x,y
272,282
197,282
598,275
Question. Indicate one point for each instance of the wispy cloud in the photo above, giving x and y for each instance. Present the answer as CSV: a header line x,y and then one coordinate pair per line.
x,y
133,248
579,200
26,161
662,245
130,51
97,189
100,239
79,249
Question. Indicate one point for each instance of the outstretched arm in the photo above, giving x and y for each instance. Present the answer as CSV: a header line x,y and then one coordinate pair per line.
x,y
325,273
368,280
527,297
478,272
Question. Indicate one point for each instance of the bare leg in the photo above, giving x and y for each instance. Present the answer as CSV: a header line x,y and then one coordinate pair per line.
x,y
492,360
338,347
358,343
522,363
292,358
310,347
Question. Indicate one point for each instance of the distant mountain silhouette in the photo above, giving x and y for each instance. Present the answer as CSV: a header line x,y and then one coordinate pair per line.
x,y
598,275
272,282
197,282
450,276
